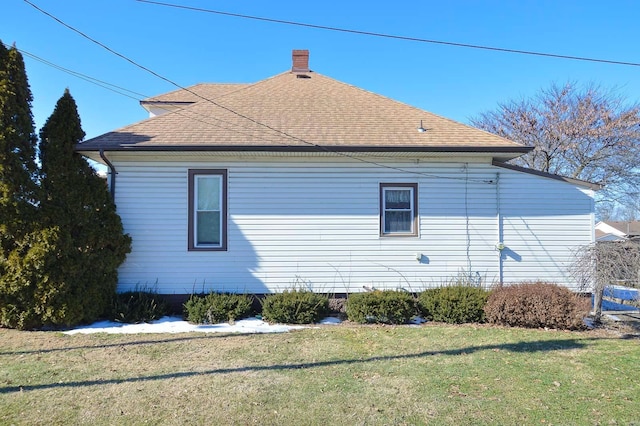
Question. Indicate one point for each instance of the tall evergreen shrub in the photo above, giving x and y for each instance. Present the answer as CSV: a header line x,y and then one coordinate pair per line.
x,y
61,240
18,189
91,243
18,170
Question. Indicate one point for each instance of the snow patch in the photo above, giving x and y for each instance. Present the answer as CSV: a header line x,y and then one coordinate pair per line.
x,y
330,321
177,325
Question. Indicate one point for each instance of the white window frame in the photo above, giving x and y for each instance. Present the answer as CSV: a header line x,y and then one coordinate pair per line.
x,y
194,176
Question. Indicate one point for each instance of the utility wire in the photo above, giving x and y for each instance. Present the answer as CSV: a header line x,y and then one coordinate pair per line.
x,y
131,61
121,91
101,83
295,138
183,111
391,36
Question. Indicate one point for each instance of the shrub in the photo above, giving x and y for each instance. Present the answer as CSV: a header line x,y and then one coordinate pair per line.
x,y
214,308
91,244
39,287
138,306
387,307
455,304
535,305
29,296
295,307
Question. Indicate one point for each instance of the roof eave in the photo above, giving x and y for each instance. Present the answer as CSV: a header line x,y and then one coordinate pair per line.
x,y
315,148
590,185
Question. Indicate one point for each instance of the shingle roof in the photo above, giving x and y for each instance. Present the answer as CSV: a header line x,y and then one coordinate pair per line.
x,y
631,228
197,92
293,111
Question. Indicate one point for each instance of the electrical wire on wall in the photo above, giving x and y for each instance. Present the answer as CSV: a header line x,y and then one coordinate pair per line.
x,y
500,243
466,216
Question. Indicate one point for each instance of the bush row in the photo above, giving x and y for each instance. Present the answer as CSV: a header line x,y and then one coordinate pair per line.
x,y
532,305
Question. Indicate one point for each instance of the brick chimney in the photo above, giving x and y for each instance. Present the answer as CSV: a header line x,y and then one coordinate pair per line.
x,y
300,61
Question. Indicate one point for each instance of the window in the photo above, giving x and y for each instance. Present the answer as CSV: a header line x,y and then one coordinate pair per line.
x,y
207,210
398,209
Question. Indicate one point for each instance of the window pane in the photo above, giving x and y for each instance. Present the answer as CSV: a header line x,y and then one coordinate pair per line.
x,y
208,192
395,221
208,228
397,198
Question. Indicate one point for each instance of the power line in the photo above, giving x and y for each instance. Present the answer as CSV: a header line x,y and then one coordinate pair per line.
x,y
121,91
295,138
185,112
101,83
396,37
131,61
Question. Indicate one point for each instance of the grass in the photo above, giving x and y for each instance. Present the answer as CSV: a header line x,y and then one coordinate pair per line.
x,y
373,375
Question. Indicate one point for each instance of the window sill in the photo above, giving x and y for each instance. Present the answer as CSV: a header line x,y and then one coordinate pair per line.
x,y
399,236
207,249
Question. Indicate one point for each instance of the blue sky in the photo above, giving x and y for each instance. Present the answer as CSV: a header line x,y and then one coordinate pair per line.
x,y
191,47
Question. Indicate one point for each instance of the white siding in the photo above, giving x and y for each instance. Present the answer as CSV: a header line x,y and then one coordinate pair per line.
x,y
316,224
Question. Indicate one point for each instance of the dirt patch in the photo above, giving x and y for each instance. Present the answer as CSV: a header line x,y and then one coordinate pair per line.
x,y
625,325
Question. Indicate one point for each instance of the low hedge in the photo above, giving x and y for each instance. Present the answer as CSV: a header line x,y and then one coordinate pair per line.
x,y
138,306
536,305
215,308
295,307
386,307
456,304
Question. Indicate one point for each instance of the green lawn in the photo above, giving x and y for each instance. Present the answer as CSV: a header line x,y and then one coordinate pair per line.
x,y
351,375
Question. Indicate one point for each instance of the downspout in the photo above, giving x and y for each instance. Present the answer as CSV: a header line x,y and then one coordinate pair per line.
x,y
112,174
500,245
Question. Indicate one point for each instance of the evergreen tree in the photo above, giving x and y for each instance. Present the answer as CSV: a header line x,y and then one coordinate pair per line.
x,y
17,151
77,213
61,240
18,183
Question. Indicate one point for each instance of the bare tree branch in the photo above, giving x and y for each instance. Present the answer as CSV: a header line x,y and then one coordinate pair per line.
x,y
583,132
606,263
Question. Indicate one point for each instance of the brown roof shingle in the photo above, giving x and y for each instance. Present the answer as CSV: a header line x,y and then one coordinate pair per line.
x,y
293,111
196,92
631,228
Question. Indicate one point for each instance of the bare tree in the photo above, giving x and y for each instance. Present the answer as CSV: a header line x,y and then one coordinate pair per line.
x,y
582,132
605,263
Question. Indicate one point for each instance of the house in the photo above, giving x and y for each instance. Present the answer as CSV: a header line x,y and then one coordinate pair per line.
x,y
617,231
300,180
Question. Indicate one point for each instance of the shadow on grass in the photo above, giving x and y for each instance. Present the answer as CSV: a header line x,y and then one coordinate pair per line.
x,y
532,347
124,344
